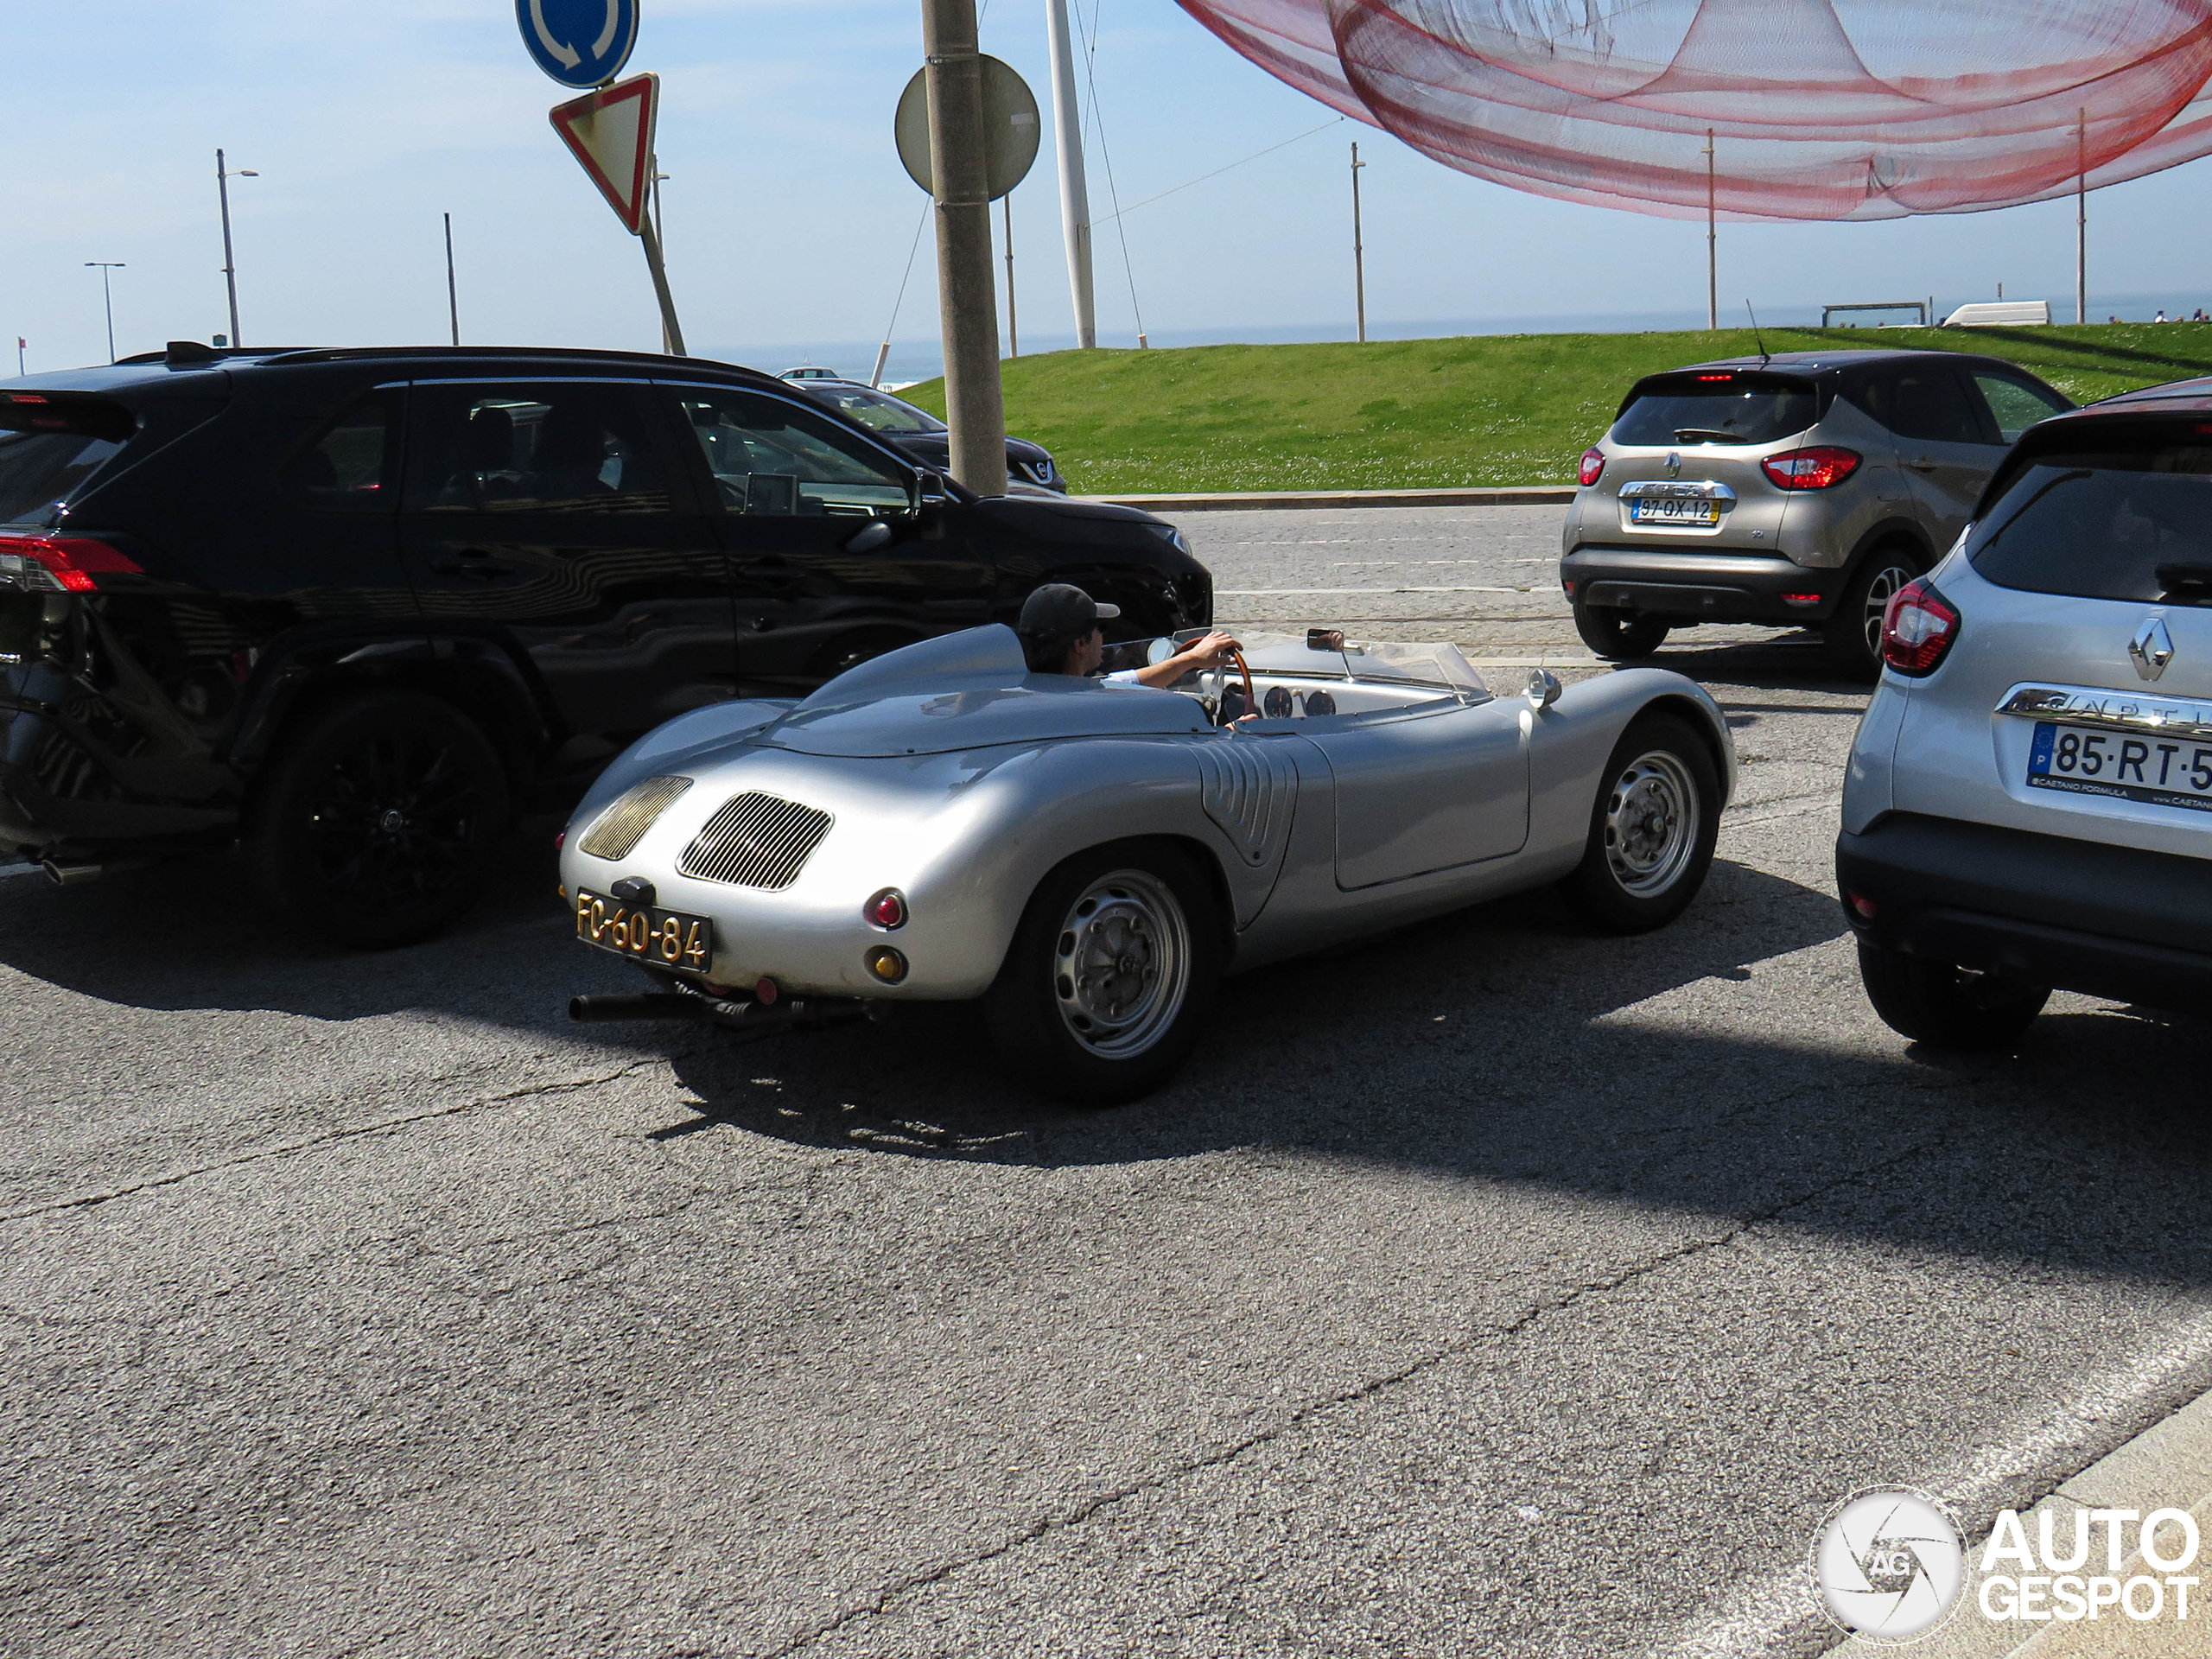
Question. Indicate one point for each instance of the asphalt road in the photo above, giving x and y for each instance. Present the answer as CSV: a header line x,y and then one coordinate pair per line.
x,y
1491,1288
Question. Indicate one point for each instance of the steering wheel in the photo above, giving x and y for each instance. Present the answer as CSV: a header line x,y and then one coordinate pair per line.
x,y
1252,697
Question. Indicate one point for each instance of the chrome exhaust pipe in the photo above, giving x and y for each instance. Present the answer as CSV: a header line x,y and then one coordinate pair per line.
x,y
70,875
649,1005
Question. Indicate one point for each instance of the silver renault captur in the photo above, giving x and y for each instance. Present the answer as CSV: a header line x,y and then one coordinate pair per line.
x,y
1802,488
2029,803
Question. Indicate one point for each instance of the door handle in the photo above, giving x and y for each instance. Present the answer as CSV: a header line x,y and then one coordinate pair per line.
x,y
1923,463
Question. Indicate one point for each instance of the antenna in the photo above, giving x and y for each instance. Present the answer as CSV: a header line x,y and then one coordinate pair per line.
x,y
1764,354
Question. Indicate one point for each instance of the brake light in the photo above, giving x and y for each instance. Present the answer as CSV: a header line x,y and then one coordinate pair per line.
x,y
71,563
1918,629
1593,468
1708,377
887,910
1821,468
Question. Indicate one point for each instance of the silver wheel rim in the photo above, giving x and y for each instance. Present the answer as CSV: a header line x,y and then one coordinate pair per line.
x,y
1121,964
1652,824
1879,593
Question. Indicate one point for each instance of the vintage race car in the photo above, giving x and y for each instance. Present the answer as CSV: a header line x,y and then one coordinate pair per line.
x,y
1091,858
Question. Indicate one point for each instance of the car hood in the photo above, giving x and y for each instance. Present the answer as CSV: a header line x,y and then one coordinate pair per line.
x,y
936,446
969,690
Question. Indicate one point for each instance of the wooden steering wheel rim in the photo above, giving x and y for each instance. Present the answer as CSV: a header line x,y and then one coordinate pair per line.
x,y
1251,697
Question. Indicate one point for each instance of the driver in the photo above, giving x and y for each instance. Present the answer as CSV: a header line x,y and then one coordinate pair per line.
x,y
1060,635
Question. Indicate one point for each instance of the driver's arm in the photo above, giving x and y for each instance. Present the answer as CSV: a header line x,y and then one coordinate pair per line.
x,y
1199,653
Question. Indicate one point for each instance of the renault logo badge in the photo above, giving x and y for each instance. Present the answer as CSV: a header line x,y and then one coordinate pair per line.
x,y
2152,648
1673,465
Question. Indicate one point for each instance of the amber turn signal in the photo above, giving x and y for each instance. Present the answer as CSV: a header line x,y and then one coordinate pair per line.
x,y
886,965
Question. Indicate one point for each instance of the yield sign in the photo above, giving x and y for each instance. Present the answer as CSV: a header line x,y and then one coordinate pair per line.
x,y
611,131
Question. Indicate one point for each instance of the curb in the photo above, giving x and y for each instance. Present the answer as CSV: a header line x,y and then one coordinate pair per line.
x,y
1248,500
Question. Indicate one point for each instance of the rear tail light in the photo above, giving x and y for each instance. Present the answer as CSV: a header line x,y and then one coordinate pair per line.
x,y
887,910
1593,468
1918,629
1821,468
70,563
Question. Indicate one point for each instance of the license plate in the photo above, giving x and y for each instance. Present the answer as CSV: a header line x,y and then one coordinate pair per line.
x,y
670,937
1673,510
2167,772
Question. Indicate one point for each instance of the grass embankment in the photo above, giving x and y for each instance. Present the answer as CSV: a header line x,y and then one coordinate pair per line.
x,y
1482,408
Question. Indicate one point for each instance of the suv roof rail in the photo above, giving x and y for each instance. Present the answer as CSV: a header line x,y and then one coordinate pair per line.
x,y
195,351
577,353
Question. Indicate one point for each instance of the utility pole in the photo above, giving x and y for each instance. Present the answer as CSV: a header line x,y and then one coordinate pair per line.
x,y
1358,247
223,177
1012,327
105,266
968,310
1074,198
2082,220
452,288
1712,236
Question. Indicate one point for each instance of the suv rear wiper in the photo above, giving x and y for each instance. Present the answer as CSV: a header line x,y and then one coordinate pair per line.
x,y
1708,434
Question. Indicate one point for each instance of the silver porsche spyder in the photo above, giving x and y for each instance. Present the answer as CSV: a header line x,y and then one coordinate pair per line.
x,y
1091,858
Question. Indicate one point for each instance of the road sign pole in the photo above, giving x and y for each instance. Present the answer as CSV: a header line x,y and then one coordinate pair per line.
x,y
967,303
671,331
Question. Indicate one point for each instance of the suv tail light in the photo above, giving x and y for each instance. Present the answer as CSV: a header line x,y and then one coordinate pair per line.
x,y
71,563
1593,468
1821,468
1918,629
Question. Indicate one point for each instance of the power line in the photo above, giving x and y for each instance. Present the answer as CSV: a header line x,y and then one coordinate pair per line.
x,y
1219,171
1090,89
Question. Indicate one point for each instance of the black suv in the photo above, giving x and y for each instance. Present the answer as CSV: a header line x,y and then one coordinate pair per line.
x,y
353,606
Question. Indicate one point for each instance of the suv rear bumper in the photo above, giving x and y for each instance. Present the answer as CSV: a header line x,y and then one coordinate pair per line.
x,y
2074,915
1698,586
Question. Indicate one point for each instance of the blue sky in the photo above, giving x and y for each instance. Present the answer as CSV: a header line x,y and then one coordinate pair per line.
x,y
789,219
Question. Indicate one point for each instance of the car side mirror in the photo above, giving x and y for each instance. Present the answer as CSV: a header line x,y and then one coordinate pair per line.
x,y
1543,688
932,492
1159,651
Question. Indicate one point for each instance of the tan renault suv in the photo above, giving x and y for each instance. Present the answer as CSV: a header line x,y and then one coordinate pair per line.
x,y
1803,488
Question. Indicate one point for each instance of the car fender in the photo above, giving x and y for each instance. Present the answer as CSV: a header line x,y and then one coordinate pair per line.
x,y
1571,742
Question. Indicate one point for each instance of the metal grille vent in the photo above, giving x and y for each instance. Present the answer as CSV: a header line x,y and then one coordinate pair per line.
x,y
757,841
616,832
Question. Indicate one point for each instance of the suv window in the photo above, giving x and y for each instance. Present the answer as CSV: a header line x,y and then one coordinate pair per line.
x,y
346,468
1928,403
2097,521
536,447
769,457
1716,409
51,443
2016,405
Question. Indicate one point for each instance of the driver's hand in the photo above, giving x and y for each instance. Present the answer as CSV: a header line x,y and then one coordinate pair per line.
x,y
1209,652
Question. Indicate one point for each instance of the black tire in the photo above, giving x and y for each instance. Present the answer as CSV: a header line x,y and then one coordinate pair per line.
x,y
1066,1040
1853,633
375,824
1944,1007
1617,636
1651,829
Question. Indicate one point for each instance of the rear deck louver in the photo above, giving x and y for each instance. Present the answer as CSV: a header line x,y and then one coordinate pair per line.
x,y
756,841
616,832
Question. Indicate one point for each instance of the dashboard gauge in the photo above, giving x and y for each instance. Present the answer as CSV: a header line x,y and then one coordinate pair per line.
x,y
1277,704
1320,702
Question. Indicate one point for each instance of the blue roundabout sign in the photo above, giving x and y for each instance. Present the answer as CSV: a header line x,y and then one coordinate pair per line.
x,y
579,43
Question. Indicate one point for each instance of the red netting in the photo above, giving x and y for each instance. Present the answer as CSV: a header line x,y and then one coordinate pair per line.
x,y
1819,109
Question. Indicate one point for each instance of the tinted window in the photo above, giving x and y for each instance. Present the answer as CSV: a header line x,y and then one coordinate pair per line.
x,y
879,411
1928,404
40,469
2016,405
769,457
1727,410
2098,523
538,448
346,468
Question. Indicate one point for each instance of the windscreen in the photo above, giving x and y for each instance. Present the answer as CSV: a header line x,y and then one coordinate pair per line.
x,y
878,412
2128,515
1717,409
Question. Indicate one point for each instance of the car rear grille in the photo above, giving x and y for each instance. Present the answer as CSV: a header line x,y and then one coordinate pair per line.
x,y
617,831
757,841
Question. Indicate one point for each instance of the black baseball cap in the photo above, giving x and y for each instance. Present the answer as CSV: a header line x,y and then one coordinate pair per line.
x,y
1059,608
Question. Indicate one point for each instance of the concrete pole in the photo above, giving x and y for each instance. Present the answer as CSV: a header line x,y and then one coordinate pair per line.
x,y
968,303
1358,249
2082,220
1712,236
1074,198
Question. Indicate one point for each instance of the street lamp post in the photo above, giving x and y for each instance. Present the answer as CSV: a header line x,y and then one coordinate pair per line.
x,y
105,266
223,177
